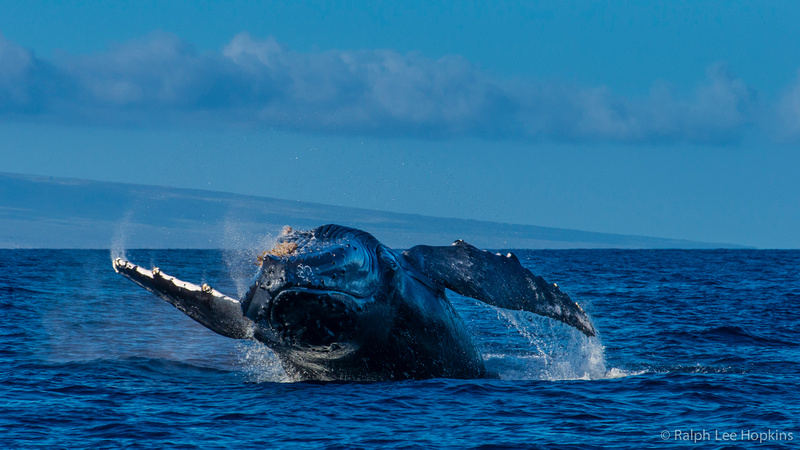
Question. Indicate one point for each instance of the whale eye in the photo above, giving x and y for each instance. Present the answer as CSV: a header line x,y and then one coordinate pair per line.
x,y
387,258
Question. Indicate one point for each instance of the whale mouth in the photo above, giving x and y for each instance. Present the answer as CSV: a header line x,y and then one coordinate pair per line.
x,y
311,319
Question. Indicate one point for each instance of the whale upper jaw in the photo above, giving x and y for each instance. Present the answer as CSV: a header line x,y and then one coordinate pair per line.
x,y
211,308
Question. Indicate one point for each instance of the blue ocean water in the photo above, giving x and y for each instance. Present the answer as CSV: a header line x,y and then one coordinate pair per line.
x,y
696,348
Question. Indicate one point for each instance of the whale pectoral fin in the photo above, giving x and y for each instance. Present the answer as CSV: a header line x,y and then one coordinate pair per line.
x,y
496,280
215,310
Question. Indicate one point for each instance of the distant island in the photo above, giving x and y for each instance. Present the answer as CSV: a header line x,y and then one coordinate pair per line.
x,y
48,212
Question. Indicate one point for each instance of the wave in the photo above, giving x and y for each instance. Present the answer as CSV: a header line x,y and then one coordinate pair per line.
x,y
739,335
729,335
135,364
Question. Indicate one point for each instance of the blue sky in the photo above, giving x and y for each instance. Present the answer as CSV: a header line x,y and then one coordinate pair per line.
x,y
669,119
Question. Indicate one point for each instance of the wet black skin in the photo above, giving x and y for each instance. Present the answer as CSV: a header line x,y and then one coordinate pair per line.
x,y
343,306
336,304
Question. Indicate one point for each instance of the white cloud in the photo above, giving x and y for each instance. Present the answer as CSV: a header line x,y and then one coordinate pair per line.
x,y
787,120
720,108
262,83
16,74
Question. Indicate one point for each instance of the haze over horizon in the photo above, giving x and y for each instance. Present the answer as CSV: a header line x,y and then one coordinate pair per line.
x,y
68,213
677,120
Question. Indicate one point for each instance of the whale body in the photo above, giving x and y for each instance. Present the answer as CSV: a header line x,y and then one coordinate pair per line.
x,y
335,304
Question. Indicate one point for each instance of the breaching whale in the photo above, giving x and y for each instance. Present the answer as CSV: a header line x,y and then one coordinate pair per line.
x,y
335,304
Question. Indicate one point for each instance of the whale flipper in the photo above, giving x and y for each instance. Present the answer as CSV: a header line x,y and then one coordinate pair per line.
x,y
496,280
215,310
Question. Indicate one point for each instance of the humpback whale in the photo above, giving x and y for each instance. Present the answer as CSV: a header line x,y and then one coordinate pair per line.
x,y
335,304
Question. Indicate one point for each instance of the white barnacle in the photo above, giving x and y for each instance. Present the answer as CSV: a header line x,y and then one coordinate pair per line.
x,y
305,272
206,288
156,271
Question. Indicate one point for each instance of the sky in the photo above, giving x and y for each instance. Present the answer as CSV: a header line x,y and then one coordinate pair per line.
x,y
665,119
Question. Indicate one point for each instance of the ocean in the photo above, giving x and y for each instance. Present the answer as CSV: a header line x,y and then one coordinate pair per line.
x,y
696,348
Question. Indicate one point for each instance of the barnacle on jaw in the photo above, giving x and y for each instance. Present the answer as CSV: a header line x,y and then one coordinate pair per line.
x,y
260,258
280,250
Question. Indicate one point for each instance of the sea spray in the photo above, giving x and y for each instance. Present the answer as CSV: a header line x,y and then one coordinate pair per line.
x,y
560,352
519,345
554,352
120,238
239,253
240,250
260,364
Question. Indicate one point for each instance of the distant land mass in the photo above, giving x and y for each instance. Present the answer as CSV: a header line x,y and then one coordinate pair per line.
x,y
48,212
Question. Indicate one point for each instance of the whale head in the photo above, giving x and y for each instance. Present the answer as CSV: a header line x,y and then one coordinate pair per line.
x,y
321,292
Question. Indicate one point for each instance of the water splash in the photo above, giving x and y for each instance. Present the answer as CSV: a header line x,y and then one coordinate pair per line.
x,y
260,364
520,345
240,249
554,351
239,252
